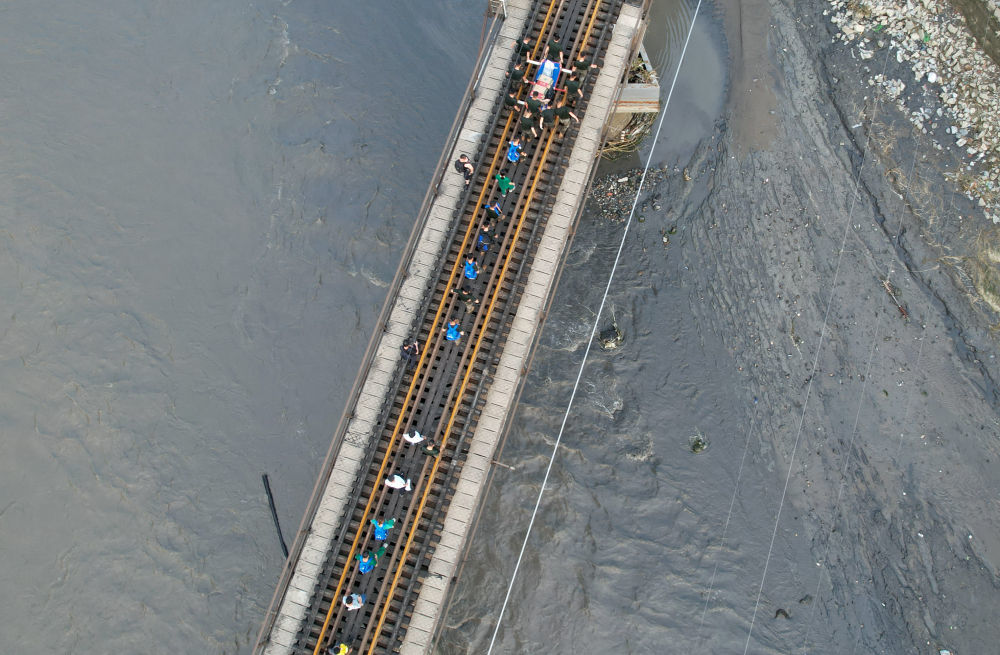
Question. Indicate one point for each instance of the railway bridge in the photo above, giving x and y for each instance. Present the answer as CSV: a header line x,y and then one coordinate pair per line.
x,y
457,394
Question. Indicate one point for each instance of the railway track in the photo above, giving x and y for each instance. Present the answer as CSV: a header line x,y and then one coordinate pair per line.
x,y
442,394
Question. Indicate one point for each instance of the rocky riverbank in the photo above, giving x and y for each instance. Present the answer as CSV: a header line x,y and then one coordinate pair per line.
x,y
935,42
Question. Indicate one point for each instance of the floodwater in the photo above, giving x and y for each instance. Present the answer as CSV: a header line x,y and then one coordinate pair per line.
x,y
846,502
202,204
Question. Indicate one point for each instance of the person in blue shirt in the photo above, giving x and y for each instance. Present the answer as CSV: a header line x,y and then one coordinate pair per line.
x,y
514,150
471,268
382,529
452,333
368,561
353,601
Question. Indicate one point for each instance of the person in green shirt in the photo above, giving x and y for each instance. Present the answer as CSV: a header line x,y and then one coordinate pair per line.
x,y
382,529
505,184
431,449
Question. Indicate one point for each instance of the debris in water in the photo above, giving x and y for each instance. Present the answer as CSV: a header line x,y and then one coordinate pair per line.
x,y
805,600
893,292
699,444
614,194
782,613
611,337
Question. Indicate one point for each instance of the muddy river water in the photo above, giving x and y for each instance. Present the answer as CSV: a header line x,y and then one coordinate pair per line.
x,y
202,205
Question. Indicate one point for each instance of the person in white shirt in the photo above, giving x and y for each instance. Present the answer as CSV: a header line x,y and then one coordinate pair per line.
x,y
353,601
396,481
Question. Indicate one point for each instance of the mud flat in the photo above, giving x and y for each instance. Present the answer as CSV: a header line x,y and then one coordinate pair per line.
x,y
838,246
807,272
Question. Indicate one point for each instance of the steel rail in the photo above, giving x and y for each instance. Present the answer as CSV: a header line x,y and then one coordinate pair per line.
x,y
420,363
423,499
406,411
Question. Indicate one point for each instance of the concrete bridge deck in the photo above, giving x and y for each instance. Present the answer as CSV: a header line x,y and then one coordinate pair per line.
x,y
459,394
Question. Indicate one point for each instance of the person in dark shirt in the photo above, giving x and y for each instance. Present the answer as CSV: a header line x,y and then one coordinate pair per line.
x,y
548,117
528,121
495,208
584,65
574,88
564,113
555,49
510,100
466,296
410,350
534,102
485,238
464,166
431,449
522,48
516,75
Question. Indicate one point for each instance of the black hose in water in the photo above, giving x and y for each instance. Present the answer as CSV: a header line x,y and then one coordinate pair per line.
x,y
274,513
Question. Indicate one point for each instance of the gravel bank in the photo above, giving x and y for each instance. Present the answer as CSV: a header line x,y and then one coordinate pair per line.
x,y
934,41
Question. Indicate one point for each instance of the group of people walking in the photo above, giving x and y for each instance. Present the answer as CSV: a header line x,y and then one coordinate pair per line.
x,y
538,110
368,558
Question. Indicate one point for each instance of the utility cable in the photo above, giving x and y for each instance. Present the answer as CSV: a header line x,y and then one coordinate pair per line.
x,y
725,528
815,365
593,332
854,429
